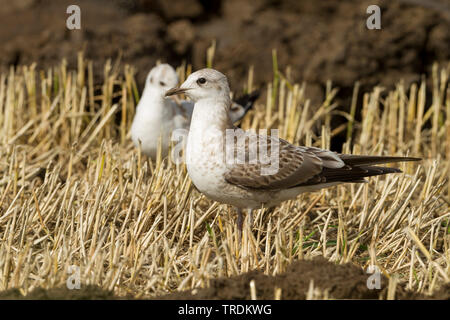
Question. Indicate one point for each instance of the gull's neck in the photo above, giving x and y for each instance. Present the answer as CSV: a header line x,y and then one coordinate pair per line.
x,y
152,98
205,141
211,114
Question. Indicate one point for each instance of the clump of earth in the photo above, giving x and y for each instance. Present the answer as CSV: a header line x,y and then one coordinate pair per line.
x,y
345,281
320,40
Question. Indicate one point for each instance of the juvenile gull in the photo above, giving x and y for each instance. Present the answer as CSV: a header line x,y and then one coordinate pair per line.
x,y
157,115
246,185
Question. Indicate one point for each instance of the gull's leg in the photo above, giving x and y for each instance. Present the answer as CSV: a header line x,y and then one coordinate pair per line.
x,y
239,222
250,218
149,165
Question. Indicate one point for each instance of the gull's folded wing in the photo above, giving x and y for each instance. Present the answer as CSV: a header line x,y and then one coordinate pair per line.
x,y
295,165
306,166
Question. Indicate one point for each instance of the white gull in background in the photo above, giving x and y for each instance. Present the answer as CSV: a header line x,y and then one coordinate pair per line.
x,y
244,185
157,115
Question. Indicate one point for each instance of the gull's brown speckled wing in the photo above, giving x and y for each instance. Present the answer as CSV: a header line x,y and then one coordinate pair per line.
x,y
306,166
296,165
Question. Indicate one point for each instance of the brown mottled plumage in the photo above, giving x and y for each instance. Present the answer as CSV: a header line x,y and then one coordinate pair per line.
x,y
307,166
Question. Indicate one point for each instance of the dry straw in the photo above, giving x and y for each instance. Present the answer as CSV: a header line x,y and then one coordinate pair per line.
x,y
73,190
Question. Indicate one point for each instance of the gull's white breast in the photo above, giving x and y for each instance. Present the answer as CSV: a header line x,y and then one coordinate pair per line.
x,y
155,117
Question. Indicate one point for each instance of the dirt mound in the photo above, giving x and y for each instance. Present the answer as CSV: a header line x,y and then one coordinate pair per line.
x,y
85,293
345,281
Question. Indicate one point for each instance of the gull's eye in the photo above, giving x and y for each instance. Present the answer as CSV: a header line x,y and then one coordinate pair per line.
x,y
162,83
201,80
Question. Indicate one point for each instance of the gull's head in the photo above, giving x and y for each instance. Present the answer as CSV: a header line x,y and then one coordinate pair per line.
x,y
205,83
162,77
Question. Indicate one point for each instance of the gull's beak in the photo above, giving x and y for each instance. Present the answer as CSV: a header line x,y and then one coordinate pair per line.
x,y
174,91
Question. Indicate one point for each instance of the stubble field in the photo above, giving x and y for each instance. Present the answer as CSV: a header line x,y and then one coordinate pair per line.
x,y
76,195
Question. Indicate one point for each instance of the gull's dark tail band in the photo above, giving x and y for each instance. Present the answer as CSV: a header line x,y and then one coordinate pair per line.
x,y
357,168
248,100
357,160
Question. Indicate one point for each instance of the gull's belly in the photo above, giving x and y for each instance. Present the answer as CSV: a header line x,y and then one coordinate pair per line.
x,y
208,177
206,168
211,182
205,161
147,132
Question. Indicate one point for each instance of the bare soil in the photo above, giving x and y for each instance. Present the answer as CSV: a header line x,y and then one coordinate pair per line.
x,y
320,40
345,281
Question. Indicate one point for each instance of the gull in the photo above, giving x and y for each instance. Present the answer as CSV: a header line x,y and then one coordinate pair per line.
x,y
249,185
158,116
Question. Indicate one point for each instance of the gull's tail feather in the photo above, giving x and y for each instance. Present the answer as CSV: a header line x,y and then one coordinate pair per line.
x,y
348,174
242,105
356,169
356,174
357,160
248,100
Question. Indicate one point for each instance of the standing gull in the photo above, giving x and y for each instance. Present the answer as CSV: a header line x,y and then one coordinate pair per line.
x,y
158,116
247,185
